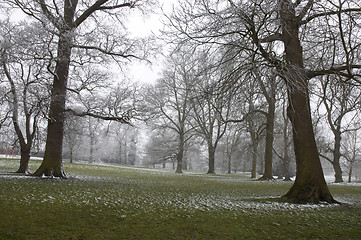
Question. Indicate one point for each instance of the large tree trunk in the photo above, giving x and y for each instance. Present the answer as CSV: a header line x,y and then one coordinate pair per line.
x,y
52,164
310,184
180,153
24,160
211,158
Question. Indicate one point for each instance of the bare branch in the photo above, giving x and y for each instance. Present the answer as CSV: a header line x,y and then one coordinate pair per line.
x,y
107,52
98,5
329,13
121,119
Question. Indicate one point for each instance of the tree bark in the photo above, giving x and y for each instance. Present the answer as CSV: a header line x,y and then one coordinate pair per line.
x,y
286,158
229,163
254,155
180,153
211,159
24,161
350,174
337,156
52,164
310,185
267,175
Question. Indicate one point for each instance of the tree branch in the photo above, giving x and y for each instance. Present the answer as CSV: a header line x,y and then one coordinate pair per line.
x,y
322,14
333,70
107,52
48,14
122,119
98,5
271,38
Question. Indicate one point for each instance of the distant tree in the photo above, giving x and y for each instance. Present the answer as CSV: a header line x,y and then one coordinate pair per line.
x,y
170,99
231,143
285,143
268,86
161,148
73,133
341,102
351,152
210,111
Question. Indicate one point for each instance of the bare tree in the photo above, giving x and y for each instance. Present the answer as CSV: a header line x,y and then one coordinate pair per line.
x,y
73,133
341,102
351,152
170,99
211,109
275,32
76,25
25,75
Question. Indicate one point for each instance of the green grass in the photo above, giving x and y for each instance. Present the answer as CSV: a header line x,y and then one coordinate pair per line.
x,y
104,202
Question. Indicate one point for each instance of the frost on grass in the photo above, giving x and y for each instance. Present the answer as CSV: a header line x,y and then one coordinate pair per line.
x,y
131,191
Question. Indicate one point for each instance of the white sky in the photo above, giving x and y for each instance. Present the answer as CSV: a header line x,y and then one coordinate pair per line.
x,y
139,25
142,26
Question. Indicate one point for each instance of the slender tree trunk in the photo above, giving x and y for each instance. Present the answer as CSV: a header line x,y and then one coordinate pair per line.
x,y
229,163
310,184
52,164
211,159
350,174
337,156
254,155
267,175
71,155
286,158
180,153
120,153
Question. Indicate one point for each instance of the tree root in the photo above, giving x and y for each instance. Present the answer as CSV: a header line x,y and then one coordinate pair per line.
x,y
309,193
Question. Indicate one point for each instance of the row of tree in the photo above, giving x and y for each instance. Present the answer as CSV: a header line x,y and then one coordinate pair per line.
x,y
231,64
283,46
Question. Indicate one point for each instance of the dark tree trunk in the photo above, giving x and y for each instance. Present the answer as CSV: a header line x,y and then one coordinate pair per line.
x,y
180,153
24,161
254,140
254,156
337,156
52,164
71,155
286,158
211,159
267,175
310,184
350,174
229,163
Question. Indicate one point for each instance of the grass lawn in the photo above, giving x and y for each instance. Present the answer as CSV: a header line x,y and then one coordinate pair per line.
x,y
104,202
